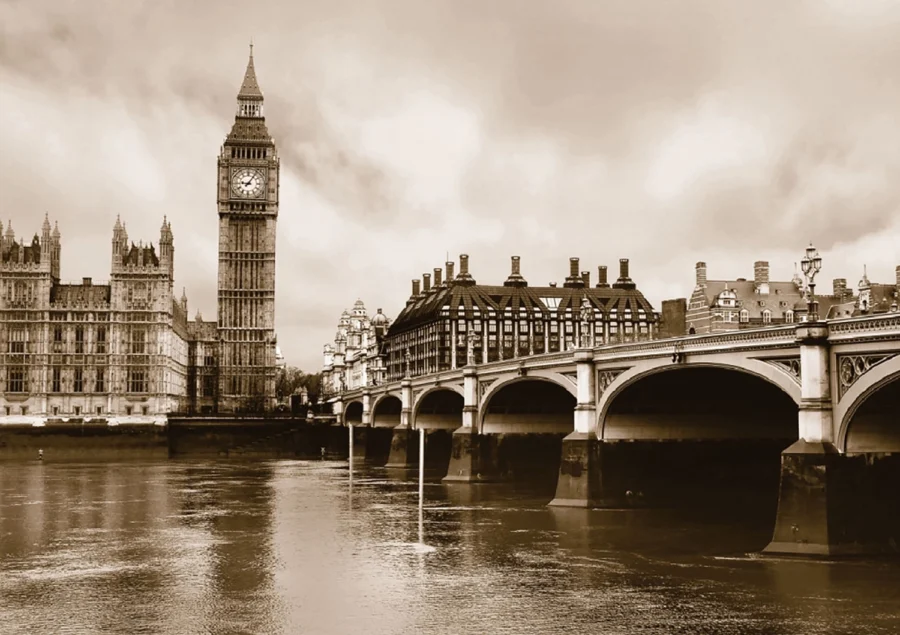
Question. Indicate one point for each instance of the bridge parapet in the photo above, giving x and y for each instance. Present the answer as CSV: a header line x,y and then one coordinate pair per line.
x,y
872,327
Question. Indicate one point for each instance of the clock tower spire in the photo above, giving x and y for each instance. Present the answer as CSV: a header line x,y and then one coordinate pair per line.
x,y
248,182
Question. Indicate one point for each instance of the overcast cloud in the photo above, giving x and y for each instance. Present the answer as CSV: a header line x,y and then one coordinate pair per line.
x,y
664,132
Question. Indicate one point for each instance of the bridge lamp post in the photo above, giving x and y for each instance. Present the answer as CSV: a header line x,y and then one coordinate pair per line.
x,y
811,265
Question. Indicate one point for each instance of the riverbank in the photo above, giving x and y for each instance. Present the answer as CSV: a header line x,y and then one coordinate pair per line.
x,y
85,440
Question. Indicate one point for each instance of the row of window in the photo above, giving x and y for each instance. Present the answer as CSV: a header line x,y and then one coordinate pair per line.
x,y
17,380
77,410
744,316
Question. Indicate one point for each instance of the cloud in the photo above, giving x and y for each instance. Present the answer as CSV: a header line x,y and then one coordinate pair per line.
x,y
662,132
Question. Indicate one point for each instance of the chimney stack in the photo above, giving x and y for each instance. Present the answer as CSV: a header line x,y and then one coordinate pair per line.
x,y
426,282
586,276
437,277
839,288
449,265
602,282
464,276
624,281
86,282
515,278
761,272
573,280
701,274
415,289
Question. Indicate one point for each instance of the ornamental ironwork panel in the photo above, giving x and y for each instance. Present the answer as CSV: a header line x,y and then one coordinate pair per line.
x,y
852,367
790,365
483,386
605,378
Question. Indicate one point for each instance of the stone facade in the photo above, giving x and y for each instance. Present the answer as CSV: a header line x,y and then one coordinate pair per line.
x,y
356,359
248,210
91,350
444,323
126,350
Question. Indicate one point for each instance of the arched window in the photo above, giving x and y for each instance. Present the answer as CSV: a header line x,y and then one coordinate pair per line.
x,y
767,316
789,316
745,316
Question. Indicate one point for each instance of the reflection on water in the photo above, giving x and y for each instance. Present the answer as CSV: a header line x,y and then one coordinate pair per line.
x,y
290,547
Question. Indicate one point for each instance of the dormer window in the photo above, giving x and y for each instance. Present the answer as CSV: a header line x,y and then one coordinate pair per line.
x,y
789,316
767,316
745,316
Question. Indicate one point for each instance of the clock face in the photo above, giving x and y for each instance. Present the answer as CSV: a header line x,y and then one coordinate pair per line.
x,y
248,183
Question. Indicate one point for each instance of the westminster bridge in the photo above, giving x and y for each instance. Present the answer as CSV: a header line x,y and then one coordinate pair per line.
x,y
630,423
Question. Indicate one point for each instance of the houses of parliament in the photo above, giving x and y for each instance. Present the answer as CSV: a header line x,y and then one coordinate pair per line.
x,y
126,350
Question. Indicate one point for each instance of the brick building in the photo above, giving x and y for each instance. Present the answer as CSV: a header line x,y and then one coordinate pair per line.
x,y
727,305
510,320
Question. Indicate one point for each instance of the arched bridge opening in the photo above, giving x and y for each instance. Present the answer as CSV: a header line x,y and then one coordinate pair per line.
x,y
439,413
385,417
872,468
524,423
353,413
875,425
386,413
699,435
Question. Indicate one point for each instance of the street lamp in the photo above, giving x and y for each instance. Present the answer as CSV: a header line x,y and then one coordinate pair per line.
x,y
811,265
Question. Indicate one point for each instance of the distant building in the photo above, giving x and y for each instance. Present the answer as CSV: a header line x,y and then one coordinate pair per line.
x,y
126,348
510,320
727,305
672,318
356,359
90,349
877,298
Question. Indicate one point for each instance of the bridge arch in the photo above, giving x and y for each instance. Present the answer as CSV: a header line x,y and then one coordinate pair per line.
x,y
546,406
439,408
353,413
866,416
732,379
386,410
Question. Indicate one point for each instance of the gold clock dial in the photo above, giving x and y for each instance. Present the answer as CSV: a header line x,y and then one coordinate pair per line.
x,y
248,182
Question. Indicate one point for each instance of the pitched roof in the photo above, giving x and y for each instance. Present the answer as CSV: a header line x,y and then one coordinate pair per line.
x,y
428,306
250,85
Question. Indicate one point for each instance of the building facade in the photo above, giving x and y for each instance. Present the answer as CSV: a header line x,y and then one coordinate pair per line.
x,y
729,305
115,349
442,322
357,356
248,211
126,348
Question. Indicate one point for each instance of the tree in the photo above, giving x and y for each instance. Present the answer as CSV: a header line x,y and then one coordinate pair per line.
x,y
289,380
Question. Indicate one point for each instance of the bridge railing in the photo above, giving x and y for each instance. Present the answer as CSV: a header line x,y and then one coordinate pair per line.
x,y
853,327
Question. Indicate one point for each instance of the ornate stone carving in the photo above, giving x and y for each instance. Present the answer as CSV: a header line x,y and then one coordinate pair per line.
x,y
852,367
605,378
790,365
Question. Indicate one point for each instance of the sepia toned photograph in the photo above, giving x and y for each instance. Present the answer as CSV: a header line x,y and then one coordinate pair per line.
x,y
444,317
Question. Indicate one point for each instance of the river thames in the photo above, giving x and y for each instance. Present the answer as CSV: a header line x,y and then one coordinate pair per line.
x,y
300,547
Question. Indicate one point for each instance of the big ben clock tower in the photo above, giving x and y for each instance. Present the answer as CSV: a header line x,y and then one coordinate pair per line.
x,y
248,210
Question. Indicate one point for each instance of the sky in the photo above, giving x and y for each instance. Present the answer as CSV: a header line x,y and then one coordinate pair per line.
x,y
663,132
